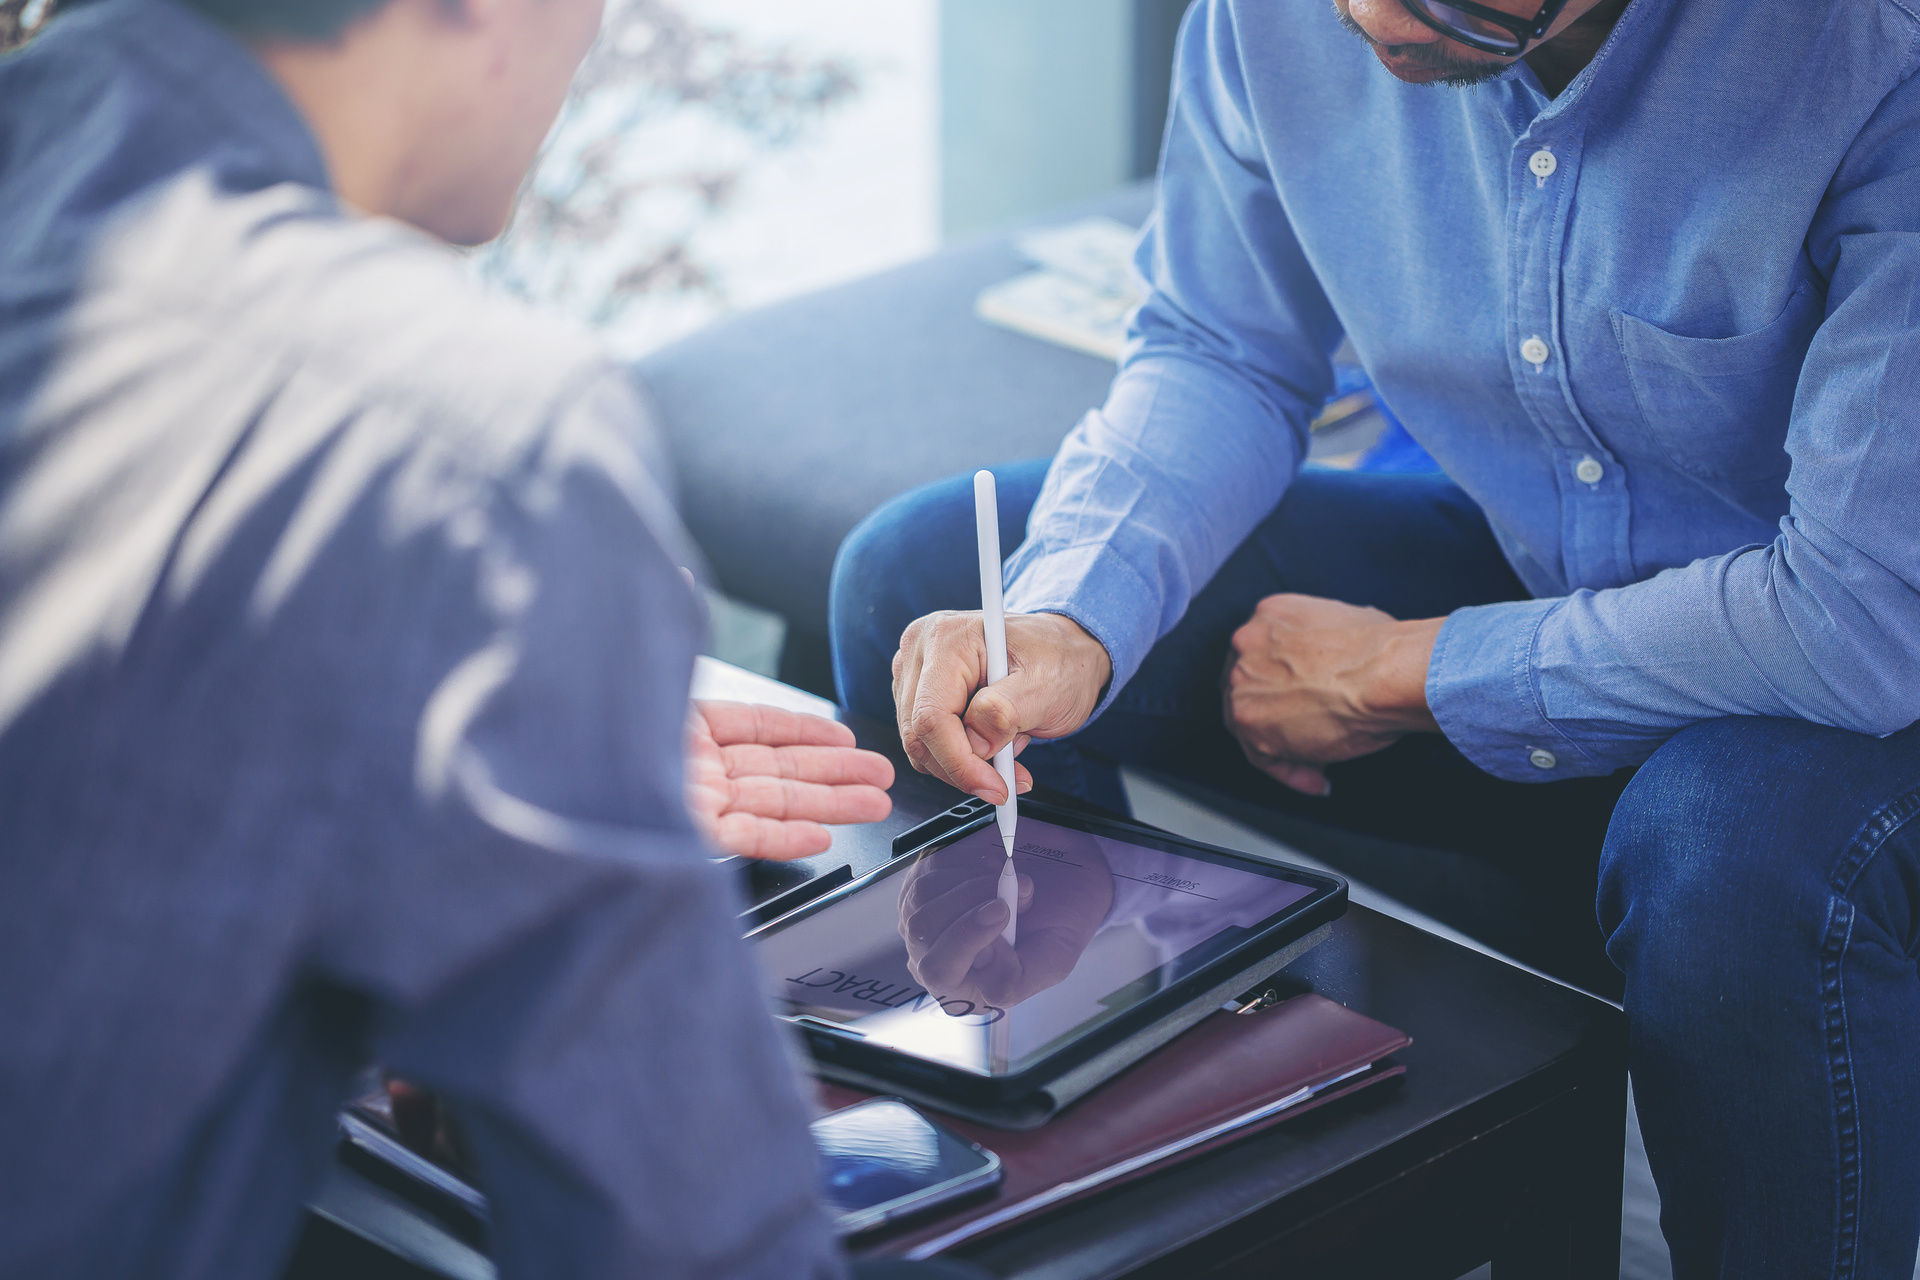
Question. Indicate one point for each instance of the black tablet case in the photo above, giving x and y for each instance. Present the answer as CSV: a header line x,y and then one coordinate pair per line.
x,y
1038,1107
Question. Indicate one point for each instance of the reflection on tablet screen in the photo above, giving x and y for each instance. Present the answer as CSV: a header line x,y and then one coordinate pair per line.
x,y
917,963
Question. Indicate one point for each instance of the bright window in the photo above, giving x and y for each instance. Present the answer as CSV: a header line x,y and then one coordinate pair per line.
x,y
720,154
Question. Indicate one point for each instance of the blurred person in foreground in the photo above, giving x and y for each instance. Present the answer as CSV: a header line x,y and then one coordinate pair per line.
x,y
344,654
1642,278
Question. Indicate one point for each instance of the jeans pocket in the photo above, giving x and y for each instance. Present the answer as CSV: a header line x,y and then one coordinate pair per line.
x,y
1718,408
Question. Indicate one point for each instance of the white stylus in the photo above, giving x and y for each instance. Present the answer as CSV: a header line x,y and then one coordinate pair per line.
x,y
986,523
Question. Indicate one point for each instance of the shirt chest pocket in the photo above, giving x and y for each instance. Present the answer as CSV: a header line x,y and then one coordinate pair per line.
x,y
1718,407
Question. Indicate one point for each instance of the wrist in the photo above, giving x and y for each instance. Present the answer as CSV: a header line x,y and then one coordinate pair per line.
x,y
1088,662
1396,690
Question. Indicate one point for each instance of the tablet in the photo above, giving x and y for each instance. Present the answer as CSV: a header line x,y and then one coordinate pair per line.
x,y
903,975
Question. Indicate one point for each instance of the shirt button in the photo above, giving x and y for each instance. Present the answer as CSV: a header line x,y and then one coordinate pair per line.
x,y
1541,758
1542,164
1588,471
1535,351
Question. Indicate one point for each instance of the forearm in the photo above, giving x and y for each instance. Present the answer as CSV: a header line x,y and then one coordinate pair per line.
x,y
1599,680
1206,424
1147,498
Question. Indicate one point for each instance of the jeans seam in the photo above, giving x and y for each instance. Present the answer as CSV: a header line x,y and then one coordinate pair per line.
x,y
1860,852
1873,833
1846,1118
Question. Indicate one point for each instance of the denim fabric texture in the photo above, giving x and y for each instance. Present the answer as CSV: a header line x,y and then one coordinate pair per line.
x,y
1759,888
1679,369
1759,881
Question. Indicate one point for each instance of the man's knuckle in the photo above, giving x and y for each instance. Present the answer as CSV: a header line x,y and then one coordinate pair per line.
x,y
991,711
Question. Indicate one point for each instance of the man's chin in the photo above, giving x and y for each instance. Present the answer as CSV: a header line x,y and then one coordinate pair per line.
x,y
1455,72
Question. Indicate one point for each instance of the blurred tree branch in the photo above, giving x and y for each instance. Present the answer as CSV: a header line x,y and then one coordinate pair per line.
x,y
598,194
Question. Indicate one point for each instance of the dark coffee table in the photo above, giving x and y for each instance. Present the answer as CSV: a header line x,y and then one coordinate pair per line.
x,y
1503,1142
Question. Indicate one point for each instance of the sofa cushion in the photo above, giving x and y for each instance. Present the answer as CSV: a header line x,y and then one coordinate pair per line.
x,y
789,423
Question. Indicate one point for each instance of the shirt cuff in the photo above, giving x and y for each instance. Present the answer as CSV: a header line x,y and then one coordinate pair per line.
x,y
1481,690
1098,590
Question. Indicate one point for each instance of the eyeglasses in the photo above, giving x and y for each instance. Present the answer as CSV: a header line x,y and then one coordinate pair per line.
x,y
1485,29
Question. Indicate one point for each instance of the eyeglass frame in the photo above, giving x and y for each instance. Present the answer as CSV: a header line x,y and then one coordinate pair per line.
x,y
1527,32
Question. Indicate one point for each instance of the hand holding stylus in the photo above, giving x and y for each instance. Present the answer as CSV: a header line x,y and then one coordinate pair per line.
x,y
952,724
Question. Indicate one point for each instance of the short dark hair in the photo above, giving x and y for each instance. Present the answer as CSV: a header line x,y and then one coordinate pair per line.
x,y
288,19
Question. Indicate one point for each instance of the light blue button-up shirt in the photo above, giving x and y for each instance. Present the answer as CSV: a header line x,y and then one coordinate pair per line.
x,y
1661,327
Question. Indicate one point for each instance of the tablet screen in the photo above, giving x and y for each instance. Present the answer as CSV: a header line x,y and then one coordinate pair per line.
x,y
916,961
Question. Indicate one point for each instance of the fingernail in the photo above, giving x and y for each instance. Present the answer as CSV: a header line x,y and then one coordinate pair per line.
x,y
989,912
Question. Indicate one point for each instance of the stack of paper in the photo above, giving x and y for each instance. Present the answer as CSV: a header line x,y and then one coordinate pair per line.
x,y
1082,294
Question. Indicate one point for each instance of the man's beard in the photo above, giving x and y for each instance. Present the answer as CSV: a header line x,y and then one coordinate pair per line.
x,y
1455,73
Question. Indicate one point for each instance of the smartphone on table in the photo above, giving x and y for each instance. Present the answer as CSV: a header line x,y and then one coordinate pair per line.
x,y
881,1160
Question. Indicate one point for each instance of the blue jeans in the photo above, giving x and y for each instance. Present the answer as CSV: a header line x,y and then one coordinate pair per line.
x,y
1757,879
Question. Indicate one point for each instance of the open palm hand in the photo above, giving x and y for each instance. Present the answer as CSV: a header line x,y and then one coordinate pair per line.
x,y
763,782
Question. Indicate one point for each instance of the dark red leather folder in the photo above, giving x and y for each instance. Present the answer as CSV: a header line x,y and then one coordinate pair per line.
x,y
1230,1076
